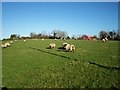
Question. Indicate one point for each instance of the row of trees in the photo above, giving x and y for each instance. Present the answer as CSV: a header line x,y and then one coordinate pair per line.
x,y
111,35
55,34
14,36
39,36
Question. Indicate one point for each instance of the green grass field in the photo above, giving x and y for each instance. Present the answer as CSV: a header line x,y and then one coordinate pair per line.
x,y
94,64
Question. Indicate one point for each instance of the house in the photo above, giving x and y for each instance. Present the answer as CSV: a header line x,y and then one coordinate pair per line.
x,y
85,37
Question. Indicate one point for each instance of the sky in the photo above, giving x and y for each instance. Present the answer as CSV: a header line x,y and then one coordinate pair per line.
x,y
76,18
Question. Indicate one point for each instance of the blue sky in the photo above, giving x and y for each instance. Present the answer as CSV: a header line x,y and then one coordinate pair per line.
x,y
76,18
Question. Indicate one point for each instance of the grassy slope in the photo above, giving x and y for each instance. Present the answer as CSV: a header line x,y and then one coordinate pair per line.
x,y
32,65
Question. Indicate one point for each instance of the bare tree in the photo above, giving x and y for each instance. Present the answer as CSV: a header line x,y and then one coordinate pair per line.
x,y
103,34
59,34
33,35
13,36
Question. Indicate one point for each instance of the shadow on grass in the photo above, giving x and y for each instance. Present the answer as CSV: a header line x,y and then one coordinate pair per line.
x,y
106,67
111,68
51,53
48,48
62,49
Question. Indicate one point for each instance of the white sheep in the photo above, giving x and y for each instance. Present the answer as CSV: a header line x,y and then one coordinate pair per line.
x,y
15,40
106,39
3,46
64,39
103,40
72,48
7,44
11,42
52,45
55,39
42,39
24,41
64,44
69,47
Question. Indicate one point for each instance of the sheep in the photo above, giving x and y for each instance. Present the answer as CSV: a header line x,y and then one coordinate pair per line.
x,y
72,48
64,44
24,41
64,39
106,39
3,46
52,45
103,40
42,39
11,42
76,38
15,40
7,44
69,47
55,39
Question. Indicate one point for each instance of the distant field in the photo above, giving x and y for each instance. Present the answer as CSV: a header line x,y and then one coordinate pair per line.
x,y
94,64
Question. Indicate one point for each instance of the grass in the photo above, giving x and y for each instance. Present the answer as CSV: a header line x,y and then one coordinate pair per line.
x,y
94,64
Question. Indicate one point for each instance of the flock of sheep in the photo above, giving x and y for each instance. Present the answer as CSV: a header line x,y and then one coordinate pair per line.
x,y
69,47
7,44
65,46
104,39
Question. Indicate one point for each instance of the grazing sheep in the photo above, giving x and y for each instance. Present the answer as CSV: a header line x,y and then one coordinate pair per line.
x,y
7,44
55,39
42,39
103,40
24,41
3,46
64,44
69,47
52,45
64,39
72,48
15,40
76,38
11,42
106,39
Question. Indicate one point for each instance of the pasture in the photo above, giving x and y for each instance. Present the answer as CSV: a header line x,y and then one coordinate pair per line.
x,y
94,64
